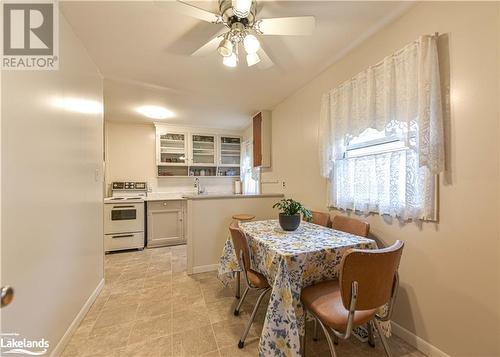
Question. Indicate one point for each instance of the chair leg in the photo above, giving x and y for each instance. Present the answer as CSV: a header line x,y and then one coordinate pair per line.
x,y
241,343
385,343
315,336
240,303
238,283
335,340
371,339
328,339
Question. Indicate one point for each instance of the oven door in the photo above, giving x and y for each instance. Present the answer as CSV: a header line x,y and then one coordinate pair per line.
x,y
123,217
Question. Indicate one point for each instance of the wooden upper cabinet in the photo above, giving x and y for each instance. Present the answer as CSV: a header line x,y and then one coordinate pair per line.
x,y
262,139
257,140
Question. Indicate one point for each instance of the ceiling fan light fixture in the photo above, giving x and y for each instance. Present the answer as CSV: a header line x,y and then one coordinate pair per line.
x,y
230,61
241,8
251,44
252,59
225,47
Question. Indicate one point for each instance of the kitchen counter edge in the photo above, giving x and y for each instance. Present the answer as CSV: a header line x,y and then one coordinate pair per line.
x,y
211,196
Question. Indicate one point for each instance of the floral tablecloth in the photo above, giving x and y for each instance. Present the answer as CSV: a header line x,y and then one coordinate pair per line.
x,y
290,261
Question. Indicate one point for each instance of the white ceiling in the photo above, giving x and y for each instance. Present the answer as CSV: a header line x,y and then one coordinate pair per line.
x,y
142,50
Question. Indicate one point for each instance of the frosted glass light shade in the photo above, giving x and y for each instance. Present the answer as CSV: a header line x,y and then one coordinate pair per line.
x,y
241,8
225,48
251,44
230,61
252,59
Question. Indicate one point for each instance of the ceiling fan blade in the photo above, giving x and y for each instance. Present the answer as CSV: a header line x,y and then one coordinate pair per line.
x,y
210,46
265,61
296,26
190,10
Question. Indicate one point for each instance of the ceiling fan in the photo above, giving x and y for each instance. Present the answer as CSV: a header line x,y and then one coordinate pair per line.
x,y
241,28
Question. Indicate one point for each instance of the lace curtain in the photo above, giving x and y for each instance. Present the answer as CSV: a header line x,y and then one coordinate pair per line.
x,y
400,96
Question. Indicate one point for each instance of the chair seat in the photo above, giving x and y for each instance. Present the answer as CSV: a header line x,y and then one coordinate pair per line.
x,y
243,217
324,300
257,279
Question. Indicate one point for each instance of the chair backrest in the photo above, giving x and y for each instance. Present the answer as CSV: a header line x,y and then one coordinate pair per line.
x,y
321,218
351,225
240,245
374,271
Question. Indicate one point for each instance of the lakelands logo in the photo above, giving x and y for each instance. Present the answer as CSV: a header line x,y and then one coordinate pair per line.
x,y
11,343
30,35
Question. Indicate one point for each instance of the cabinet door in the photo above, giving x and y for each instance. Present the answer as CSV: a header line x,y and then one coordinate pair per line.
x,y
203,150
257,140
172,149
165,227
229,150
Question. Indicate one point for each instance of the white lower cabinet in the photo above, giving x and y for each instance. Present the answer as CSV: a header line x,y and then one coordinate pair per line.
x,y
165,223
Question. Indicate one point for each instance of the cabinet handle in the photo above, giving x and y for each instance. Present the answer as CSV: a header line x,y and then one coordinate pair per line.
x,y
123,236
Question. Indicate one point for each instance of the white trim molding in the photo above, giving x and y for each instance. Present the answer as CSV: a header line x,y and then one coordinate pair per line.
x,y
61,345
417,342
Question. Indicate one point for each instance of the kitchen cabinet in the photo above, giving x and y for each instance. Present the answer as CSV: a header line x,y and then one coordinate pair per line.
x,y
171,148
229,151
203,150
262,139
165,223
187,151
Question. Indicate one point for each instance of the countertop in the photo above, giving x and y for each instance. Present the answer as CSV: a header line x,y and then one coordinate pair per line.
x,y
214,195
164,197
204,196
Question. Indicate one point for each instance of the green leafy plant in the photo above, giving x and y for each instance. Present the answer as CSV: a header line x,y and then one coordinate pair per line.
x,y
290,207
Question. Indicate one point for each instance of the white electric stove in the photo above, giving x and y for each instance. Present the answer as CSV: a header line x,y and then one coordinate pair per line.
x,y
124,216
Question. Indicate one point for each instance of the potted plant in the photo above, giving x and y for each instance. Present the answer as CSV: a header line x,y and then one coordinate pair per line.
x,y
290,211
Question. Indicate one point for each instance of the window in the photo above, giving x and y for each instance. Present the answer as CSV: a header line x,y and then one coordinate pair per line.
x,y
250,176
380,173
372,142
381,136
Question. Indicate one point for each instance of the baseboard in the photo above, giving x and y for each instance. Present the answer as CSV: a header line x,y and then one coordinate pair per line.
x,y
417,342
205,268
58,350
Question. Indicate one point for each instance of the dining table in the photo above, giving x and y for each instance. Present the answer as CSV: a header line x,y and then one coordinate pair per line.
x,y
290,261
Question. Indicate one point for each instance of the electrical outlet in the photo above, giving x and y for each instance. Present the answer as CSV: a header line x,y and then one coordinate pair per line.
x,y
283,184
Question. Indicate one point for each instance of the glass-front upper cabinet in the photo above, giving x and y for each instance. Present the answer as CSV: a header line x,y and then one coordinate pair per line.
x,y
172,148
203,150
229,150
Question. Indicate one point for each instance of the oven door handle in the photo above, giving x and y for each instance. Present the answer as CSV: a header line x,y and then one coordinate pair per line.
x,y
121,207
123,236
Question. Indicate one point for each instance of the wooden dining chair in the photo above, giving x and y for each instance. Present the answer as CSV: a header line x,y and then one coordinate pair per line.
x,y
242,217
368,280
351,225
321,218
254,280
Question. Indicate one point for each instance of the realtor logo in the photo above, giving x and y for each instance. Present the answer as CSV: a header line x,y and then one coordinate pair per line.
x,y
30,36
13,344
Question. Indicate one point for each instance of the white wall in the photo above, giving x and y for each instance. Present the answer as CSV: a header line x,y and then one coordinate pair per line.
x,y
130,156
449,272
52,220
130,152
207,222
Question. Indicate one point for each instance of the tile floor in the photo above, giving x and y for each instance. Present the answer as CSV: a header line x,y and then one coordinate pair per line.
x,y
151,307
